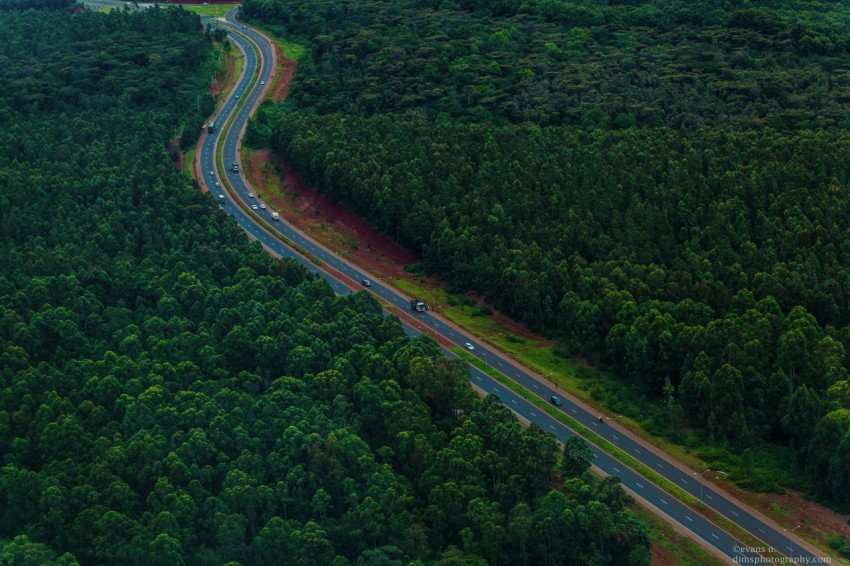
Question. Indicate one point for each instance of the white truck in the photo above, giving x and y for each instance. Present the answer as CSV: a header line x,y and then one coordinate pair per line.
x,y
275,216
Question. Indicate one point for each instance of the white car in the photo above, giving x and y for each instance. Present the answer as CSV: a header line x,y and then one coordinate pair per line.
x,y
217,184
469,346
212,173
262,83
250,195
263,206
254,207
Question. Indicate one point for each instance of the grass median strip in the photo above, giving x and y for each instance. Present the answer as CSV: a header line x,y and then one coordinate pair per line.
x,y
588,434
225,181
743,536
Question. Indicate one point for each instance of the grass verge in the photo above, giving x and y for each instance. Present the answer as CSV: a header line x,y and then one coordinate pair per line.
x,y
768,469
225,181
569,374
672,546
188,160
743,536
211,10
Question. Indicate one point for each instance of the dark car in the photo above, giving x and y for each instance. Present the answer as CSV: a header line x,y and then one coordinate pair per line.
x,y
555,400
366,283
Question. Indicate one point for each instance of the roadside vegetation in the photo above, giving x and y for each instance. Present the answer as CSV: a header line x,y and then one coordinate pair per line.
x,y
170,394
209,10
658,187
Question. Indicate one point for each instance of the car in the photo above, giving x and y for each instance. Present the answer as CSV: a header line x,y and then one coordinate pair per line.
x,y
250,195
262,83
263,206
254,207
469,346
212,173
555,400
217,184
366,283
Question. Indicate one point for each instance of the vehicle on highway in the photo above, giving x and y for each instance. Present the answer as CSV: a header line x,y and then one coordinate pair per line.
x,y
262,82
250,195
221,199
366,283
555,400
217,184
263,206
254,207
419,306
212,173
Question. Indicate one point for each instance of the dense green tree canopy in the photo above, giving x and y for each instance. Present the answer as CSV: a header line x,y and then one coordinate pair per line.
x,y
170,394
662,184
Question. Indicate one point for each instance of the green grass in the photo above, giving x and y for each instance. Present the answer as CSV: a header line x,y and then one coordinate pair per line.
x,y
212,10
218,65
682,550
589,384
643,417
743,536
289,49
225,181
595,387
188,157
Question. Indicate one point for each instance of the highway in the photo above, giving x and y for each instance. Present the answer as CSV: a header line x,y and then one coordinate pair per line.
x,y
687,518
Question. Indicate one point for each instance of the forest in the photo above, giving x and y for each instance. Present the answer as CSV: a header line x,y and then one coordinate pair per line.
x,y
170,394
662,185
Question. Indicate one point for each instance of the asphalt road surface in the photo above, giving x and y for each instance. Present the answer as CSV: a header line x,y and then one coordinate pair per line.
x,y
688,518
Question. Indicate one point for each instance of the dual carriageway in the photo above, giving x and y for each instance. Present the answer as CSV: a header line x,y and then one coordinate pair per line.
x,y
776,544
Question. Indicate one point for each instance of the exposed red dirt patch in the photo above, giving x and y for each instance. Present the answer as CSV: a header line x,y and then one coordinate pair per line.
x,y
338,229
307,209
287,72
661,556
344,232
330,223
792,509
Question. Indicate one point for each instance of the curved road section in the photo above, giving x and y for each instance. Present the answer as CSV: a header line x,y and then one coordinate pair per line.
x,y
688,519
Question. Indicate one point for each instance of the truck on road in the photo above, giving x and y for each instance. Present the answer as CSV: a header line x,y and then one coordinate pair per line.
x,y
275,216
417,305
235,167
